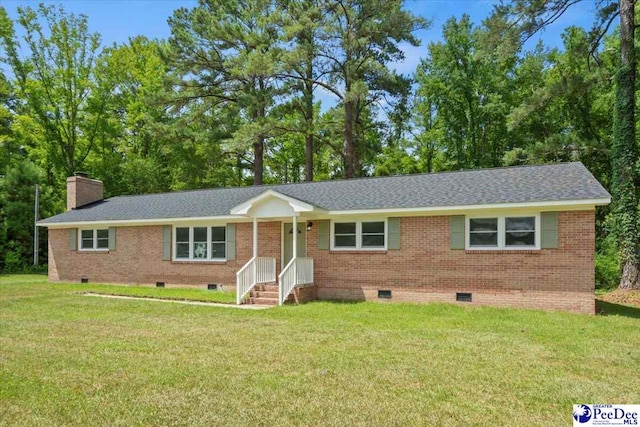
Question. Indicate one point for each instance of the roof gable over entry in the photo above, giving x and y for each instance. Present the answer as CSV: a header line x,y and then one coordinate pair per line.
x,y
271,204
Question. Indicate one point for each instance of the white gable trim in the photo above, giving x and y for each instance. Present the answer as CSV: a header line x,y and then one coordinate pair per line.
x,y
296,205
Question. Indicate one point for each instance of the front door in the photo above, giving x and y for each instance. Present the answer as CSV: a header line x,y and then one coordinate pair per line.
x,y
287,244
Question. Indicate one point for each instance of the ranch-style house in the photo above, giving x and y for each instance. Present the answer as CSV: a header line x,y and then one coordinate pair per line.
x,y
517,237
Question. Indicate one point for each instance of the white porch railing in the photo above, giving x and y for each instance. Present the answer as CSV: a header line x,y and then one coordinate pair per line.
x,y
257,270
299,271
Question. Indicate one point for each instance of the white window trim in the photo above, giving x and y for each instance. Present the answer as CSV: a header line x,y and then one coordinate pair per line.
x,y
502,232
95,240
358,246
191,258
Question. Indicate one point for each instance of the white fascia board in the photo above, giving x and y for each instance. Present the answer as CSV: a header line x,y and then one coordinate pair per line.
x,y
319,213
141,222
566,204
296,205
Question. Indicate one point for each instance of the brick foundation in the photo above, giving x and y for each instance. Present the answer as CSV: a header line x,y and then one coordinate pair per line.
x,y
302,294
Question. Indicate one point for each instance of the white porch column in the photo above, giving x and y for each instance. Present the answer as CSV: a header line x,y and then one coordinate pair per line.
x,y
295,249
295,236
255,251
255,237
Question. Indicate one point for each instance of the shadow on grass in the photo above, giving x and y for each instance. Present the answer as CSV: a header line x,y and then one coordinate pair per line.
x,y
611,309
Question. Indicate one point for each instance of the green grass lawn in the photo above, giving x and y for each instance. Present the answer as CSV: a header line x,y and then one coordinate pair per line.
x,y
179,294
67,359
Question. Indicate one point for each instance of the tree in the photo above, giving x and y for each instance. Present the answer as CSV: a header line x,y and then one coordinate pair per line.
x,y
359,38
563,111
225,52
17,193
55,76
527,18
9,149
626,163
286,154
301,21
133,151
465,92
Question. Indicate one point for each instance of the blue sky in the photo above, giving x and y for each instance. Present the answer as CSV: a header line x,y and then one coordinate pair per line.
x,y
118,20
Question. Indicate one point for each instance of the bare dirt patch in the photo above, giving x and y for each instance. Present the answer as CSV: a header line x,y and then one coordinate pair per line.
x,y
624,297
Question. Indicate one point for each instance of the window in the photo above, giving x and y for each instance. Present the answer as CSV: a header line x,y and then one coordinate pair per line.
x,y
483,232
373,234
345,235
520,231
218,245
359,235
200,243
182,243
504,232
94,239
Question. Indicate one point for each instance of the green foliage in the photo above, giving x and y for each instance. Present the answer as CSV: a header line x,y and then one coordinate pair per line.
x,y
17,196
225,54
607,270
9,149
14,257
131,158
607,260
626,156
14,262
462,100
395,160
55,74
359,39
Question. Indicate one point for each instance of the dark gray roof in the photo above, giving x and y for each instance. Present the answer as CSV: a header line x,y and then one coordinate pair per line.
x,y
558,182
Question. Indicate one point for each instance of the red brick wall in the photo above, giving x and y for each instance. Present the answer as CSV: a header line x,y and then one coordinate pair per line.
x,y
82,191
138,258
425,269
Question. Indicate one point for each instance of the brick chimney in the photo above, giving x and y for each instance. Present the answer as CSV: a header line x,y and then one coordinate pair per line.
x,y
81,190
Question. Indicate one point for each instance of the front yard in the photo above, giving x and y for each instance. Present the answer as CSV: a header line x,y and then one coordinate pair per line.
x,y
69,359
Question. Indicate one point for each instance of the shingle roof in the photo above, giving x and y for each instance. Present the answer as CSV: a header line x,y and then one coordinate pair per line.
x,y
522,184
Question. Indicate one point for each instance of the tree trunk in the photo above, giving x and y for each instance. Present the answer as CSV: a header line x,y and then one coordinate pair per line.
x,y
258,145
309,113
308,165
625,153
258,155
239,168
349,139
630,278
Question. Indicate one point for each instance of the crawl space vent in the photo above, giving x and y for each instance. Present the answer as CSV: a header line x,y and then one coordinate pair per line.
x,y
463,297
84,280
386,294
159,284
